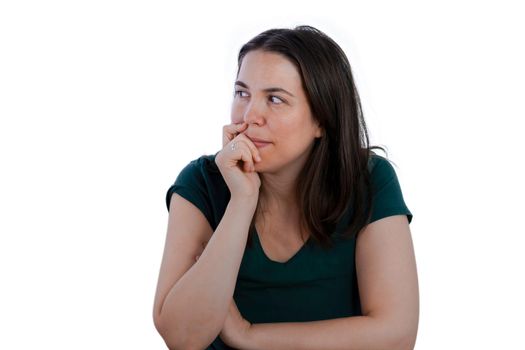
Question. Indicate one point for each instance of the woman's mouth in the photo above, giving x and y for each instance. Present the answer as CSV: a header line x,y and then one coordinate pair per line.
x,y
260,144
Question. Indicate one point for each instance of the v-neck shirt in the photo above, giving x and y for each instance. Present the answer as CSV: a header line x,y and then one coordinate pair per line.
x,y
315,283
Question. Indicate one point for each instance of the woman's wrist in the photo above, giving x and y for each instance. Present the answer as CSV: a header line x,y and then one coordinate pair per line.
x,y
249,200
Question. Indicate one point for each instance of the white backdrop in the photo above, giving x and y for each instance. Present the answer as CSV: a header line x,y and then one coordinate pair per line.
x,y
103,102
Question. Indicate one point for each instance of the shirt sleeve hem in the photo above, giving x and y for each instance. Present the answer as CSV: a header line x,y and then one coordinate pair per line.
x,y
187,194
393,211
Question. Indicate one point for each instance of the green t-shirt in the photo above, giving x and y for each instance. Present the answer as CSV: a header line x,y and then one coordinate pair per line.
x,y
315,284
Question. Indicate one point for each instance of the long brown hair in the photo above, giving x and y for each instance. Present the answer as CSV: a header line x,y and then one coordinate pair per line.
x,y
335,177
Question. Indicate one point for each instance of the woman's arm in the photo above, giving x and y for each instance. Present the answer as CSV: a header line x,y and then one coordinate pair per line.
x,y
388,288
190,310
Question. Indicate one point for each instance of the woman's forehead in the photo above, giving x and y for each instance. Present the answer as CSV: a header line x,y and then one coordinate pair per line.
x,y
263,70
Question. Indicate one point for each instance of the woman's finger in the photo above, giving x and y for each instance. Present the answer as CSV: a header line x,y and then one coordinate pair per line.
x,y
242,145
230,131
253,149
243,156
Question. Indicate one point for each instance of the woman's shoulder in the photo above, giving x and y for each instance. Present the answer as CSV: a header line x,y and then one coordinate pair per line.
x,y
203,166
386,189
201,183
205,160
379,166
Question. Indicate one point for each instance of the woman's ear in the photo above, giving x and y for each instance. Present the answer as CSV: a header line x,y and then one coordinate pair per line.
x,y
319,132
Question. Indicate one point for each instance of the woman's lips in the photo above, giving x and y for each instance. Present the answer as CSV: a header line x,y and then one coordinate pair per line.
x,y
259,144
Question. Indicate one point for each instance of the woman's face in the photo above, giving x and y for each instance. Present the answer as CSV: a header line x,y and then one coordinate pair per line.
x,y
270,98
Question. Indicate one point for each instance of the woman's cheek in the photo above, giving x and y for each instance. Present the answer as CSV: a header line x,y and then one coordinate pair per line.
x,y
236,114
236,118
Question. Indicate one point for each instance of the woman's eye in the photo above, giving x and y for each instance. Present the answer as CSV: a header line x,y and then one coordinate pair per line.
x,y
275,98
240,93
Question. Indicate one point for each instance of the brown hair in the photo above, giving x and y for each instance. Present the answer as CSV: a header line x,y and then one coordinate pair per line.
x,y
335,176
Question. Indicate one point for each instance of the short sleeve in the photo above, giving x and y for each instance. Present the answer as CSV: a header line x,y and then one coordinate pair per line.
x,y
191,185
387,195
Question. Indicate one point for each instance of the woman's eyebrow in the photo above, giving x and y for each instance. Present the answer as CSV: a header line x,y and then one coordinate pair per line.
x,y
272,89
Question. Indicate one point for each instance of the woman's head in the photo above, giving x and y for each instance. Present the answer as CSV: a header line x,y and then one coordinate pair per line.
x,y
335,140
270,98
326,83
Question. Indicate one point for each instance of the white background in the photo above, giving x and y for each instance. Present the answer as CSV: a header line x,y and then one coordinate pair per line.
x,y
103,102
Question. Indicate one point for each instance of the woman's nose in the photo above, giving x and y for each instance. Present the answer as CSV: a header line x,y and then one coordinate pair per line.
x,y
254,113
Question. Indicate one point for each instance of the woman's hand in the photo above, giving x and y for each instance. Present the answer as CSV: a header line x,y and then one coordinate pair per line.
x,y
235,331
237,165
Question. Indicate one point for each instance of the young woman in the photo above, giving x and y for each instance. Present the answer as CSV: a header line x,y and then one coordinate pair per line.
x,y
295,235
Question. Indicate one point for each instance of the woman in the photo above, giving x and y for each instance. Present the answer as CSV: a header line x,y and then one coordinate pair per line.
x,y
295,218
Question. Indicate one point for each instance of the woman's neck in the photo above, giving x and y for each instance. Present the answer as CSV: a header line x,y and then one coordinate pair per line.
x,y
277,193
